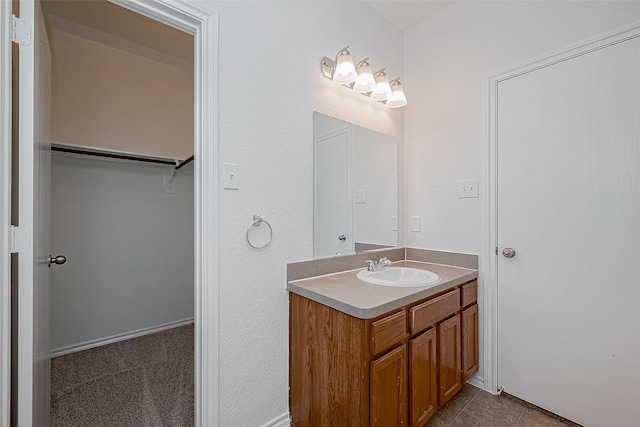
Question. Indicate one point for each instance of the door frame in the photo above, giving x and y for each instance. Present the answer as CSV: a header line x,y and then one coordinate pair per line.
x,y
203,25
489,262
5,214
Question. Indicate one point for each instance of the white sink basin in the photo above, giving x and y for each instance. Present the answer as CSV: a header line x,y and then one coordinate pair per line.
x,y
402,277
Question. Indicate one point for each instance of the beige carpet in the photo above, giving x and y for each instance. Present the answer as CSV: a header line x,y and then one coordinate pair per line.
x,y
146,381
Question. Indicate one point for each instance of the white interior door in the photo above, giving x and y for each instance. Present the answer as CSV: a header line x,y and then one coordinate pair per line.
x,y
568,196
33,221
332,233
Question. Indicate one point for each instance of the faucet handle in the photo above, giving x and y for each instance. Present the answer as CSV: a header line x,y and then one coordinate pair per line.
x,y
371,265
384,262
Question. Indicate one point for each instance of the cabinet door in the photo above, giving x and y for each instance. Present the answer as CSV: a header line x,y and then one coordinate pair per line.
x,y
449,365
388,406
424,377
469,342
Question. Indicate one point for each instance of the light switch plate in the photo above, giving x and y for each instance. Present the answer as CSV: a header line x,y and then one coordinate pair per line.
x,y
415,223
467,188
231,172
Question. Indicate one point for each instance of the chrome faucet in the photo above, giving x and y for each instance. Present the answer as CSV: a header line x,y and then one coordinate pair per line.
x,y
377,266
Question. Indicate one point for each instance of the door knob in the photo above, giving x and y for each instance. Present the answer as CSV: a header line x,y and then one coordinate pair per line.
x,y
342,237
60,259
509,252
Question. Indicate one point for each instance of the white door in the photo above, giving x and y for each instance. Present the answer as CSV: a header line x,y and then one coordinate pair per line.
x,y
568,196
332,207
33,221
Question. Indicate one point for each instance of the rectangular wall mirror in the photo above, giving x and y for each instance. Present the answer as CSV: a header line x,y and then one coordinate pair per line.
x,y
355,188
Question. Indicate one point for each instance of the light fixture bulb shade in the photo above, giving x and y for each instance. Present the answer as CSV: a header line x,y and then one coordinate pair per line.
x,y
397,98
364,82
345,72
382,90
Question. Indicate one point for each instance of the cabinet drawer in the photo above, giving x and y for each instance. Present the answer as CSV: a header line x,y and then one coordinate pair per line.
x,y
428,313
388,332
469,293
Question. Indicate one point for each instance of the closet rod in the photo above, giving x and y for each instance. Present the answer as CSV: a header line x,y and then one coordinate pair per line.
x,y
187,161
113,155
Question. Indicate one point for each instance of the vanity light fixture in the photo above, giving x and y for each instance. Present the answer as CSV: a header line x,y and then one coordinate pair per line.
x,y
345,71
362,80
397,98
365,82
382,90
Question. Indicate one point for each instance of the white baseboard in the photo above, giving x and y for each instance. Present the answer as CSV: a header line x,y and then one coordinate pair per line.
x,y
281,421
61,351
477,381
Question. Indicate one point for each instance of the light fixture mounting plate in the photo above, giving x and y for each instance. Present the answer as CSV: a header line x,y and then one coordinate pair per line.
x,y
328,66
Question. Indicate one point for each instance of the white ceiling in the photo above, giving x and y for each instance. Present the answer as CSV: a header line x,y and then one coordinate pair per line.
x,y
405,14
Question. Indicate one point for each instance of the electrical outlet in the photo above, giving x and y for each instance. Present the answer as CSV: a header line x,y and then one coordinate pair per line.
x,y
361,196
467,188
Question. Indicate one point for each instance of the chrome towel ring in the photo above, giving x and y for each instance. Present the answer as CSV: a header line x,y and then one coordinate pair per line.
x,y
257,222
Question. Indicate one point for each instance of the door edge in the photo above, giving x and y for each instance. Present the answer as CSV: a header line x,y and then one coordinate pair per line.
x,y
5,213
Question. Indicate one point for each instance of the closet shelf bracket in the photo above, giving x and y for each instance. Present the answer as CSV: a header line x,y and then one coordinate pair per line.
x,y
169,178
170,174
173,172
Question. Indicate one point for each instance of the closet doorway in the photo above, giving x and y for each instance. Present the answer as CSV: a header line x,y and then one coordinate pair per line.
x,y
25,396
122,212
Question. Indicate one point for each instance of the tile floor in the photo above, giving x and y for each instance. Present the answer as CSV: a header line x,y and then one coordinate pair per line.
x,y
146,381
473,407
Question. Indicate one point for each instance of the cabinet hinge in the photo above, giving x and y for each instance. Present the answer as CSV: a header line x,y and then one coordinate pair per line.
x,y
20,31
496,250
20,239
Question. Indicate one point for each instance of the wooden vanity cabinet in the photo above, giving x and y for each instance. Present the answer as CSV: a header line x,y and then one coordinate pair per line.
x,y
449,358
328,366
394,370
423,371
388,406
469,332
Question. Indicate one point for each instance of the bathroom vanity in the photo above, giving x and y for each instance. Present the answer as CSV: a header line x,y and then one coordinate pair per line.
x,y
368,355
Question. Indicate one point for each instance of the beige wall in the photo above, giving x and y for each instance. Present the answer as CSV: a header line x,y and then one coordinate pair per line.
x,y
108,98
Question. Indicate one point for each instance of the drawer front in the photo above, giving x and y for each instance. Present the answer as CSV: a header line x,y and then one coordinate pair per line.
x,y
387,332
469,293
428,313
